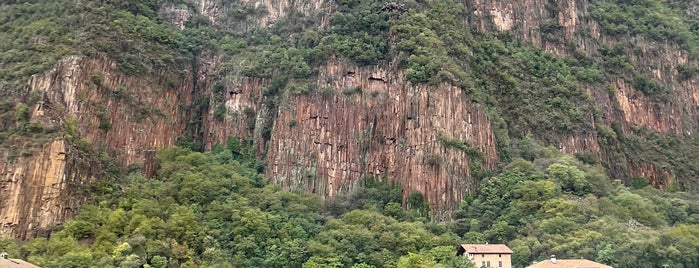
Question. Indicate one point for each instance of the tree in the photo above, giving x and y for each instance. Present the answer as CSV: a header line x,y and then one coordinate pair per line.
x,y
320,262
413,260
570,178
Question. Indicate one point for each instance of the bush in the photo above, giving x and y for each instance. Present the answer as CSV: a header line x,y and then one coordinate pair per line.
x,y
351,91
434,160
589,75
638,183
647,86
97,78
22,112
686,72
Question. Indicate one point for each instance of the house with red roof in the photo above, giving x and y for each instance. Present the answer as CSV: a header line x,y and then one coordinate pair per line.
x,y
487,255
553,262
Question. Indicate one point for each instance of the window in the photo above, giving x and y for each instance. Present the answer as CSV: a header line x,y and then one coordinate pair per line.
x,y
488,264
483,264
499,263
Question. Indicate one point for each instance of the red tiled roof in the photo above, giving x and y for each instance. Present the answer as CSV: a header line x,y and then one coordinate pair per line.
x,y
582,263
486,248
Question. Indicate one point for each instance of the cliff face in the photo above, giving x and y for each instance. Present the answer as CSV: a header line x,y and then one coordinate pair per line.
x,y
103,113
39,191
129,115
618,100
360,122
366,122
324,143
525,19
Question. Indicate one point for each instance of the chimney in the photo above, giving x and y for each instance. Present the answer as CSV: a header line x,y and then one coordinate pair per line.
x,y
553,259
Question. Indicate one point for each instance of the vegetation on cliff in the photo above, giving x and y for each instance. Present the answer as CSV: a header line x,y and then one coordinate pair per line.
x,y
557,204
215,210
657,20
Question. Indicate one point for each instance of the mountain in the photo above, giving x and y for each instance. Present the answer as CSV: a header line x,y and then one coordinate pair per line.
x,y
434,95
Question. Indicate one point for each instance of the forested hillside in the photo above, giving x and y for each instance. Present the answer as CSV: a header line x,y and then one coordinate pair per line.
x,y
214,210
348,133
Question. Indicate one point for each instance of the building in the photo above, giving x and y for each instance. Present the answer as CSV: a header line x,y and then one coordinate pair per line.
x,y
487,255
569,263
6,262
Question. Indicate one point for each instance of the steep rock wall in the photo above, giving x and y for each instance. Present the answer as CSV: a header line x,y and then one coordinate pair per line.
x,y
365,122
360,122
259,12
300,164
103,113
242,99
41,190
126,113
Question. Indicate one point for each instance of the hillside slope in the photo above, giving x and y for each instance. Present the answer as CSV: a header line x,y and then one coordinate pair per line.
x,y
435,95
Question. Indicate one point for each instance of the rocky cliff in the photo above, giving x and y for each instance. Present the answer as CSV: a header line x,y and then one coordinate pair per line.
x,y
358,122
581,34
40,191
325,143
367,122
567,28
108,120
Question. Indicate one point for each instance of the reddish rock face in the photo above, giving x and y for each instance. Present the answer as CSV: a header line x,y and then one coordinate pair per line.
x,y
36,191
127,114
656,177
372,123
363,122
128,117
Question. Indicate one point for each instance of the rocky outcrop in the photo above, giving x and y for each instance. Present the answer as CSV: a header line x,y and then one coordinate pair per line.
x,y
370,123
128,114
103,113
360,123
41,190
178,15
656,177
570,20
259,12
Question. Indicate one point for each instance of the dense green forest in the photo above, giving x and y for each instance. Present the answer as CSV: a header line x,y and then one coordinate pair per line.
x,y
216,209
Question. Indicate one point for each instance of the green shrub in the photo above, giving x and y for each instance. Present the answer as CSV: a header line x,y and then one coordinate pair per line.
x,y
589,75
97,78
434,160
638,183
352,91
105,124
686,72
23,112
647,86
220,112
